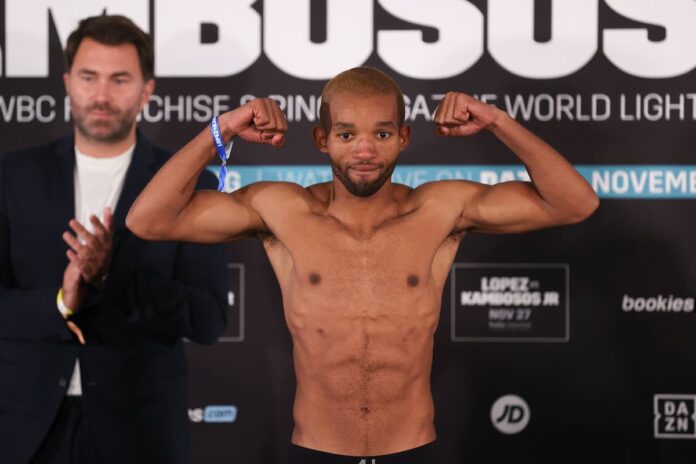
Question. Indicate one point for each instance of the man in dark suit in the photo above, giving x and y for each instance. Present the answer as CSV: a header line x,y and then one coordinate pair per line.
x,y
92,365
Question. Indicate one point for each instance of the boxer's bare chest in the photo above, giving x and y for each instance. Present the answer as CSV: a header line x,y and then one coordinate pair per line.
x,y
318,256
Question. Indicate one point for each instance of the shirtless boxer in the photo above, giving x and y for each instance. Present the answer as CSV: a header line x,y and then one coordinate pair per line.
x,y
361,261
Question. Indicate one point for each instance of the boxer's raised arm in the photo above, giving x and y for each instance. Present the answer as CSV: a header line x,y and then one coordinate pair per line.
x,y
169,208
557,194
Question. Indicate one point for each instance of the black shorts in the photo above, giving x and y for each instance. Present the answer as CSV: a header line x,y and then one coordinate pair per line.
x,y
422,455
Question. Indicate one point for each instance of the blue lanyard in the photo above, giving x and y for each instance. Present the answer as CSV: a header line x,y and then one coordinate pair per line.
x,y
223,152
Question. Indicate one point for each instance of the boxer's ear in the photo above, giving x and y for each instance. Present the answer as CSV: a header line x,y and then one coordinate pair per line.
x,y
319,135
404,136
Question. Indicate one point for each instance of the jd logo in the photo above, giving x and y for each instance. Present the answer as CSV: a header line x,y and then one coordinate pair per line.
x,y
510,414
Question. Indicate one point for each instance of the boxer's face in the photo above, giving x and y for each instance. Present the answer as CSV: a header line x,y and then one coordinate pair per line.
x,y
364,141
106,89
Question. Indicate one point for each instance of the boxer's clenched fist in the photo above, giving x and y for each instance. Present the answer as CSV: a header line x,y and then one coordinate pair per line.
x,y
258,121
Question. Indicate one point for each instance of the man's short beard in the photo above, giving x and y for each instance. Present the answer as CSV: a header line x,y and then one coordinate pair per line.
x,y
119,132
364,189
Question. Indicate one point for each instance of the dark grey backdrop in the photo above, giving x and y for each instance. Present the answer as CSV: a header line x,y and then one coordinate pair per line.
x,y
599,375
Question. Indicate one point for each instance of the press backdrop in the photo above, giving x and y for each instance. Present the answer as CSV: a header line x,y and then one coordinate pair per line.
x,y
563,345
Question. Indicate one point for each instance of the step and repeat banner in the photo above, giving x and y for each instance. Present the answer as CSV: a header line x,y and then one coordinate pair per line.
x,y
576,343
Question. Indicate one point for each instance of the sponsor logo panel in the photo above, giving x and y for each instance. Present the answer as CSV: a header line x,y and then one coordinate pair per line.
x,y
657,304
675,416
235,304
219,413
525,302
510,414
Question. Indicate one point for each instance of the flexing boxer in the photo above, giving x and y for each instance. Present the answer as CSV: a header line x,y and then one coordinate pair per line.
x,y
361,261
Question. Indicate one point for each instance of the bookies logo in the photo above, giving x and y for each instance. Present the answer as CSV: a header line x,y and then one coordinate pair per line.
x,y
510,302
675,416
214,414
510,414
657,304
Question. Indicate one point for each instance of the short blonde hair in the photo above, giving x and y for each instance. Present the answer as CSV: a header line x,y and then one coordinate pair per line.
x,y
360,81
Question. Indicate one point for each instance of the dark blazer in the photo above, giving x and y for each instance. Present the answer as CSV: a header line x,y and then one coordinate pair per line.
x,y
133,366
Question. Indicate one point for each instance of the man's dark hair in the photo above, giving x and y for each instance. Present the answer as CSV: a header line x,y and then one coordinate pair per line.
x,y
113,30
